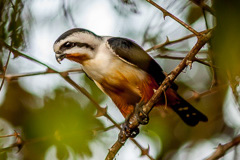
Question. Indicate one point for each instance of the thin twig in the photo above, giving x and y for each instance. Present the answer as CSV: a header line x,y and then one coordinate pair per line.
x,y
201,61
205,18
204,6
104,129
164,49
19,142
166,13
222,149
16,76
167,42
18,53
15,134
174,57
5,70
197,96
205,63
68,14
103,111
144,152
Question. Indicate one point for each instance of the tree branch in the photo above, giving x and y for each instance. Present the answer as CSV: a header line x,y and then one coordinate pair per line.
x,y
222,149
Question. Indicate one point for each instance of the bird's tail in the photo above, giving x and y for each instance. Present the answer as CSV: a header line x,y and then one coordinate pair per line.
x,y
187,112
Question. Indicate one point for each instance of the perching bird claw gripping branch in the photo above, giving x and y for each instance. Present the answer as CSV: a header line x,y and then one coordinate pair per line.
x,y
126,128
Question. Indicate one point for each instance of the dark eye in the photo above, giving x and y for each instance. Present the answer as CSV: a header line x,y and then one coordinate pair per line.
x,y
69,45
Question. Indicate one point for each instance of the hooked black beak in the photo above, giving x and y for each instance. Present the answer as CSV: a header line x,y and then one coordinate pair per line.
x,y
60,57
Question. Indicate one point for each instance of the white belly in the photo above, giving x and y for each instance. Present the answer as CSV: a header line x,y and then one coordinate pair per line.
x,y
115,72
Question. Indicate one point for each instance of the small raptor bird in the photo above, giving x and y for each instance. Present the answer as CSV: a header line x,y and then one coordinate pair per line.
x,y
122,70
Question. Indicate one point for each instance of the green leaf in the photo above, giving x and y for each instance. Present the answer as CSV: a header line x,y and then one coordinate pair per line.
x,y
61,122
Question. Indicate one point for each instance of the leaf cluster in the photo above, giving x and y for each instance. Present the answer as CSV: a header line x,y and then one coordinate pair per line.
x,y
61,122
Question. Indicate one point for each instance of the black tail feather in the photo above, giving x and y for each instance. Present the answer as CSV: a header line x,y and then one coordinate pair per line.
x,y
188,113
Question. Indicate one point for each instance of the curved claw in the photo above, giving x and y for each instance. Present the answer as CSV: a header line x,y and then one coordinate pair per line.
x,y
126,131
134,133
143,118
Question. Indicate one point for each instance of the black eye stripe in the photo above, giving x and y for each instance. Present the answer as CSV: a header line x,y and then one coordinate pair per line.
x,y
69,45
84,45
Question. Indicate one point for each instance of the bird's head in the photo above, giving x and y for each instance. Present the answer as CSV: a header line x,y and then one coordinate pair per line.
x,y
76,44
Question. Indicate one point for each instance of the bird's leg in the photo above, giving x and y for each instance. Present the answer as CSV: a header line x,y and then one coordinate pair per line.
x,y
141,115
127,130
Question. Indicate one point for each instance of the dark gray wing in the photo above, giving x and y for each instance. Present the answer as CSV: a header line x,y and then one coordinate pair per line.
x,y
133,53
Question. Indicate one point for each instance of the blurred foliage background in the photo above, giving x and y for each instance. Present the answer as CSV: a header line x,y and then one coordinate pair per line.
x,y
56,122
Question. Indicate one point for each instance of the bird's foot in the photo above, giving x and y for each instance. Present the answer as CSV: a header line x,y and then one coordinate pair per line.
x,y
126,131
142,117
